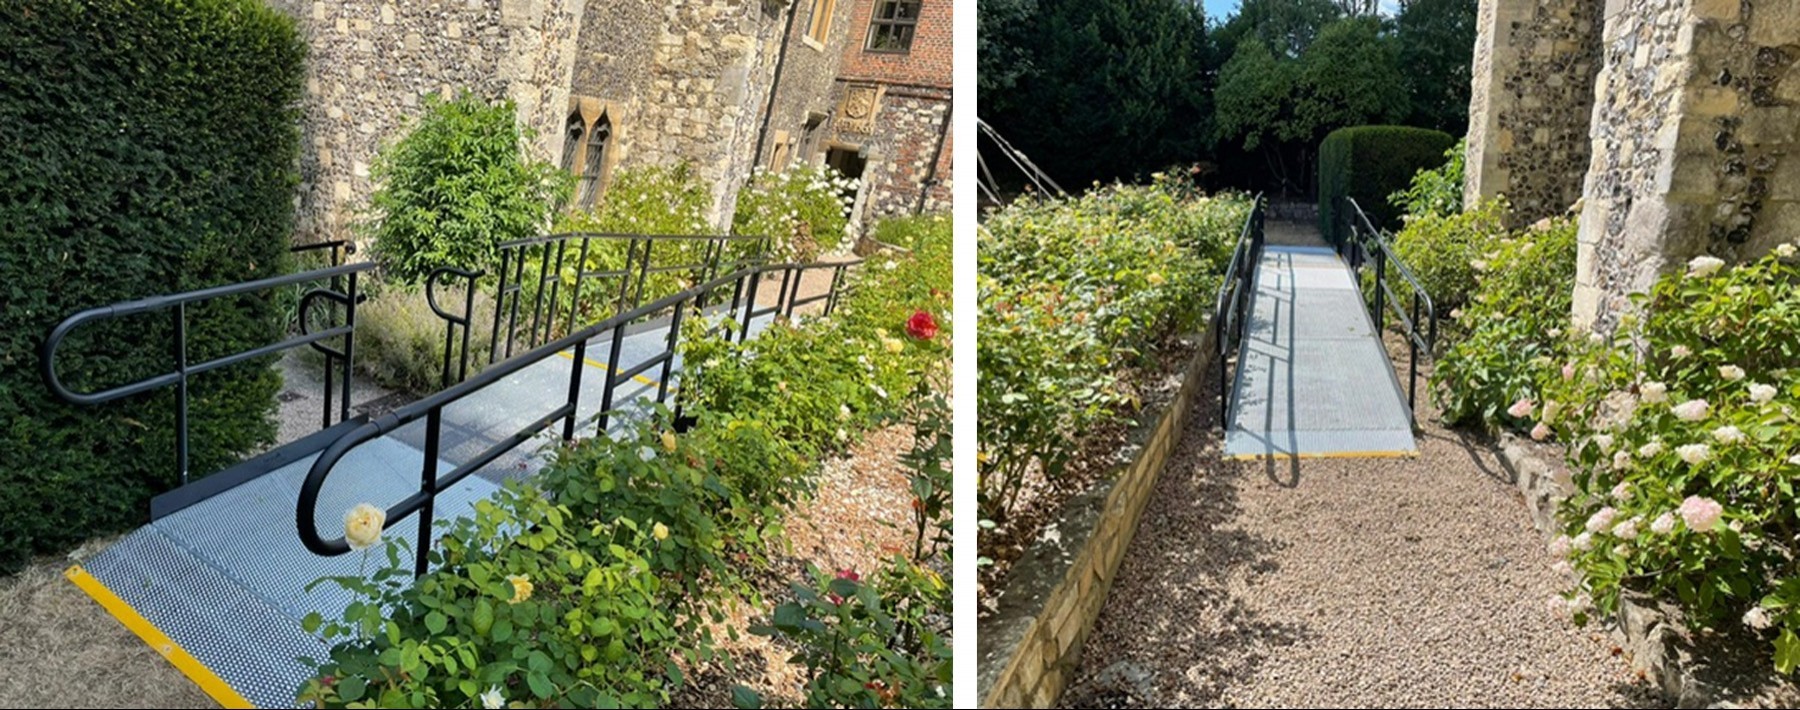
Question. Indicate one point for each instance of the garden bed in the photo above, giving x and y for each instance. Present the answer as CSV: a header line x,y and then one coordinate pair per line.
x,y
1031,641
1043,502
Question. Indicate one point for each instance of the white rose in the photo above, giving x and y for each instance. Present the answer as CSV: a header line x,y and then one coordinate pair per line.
x,y
1731,372
1654,392
1704,266
1694,454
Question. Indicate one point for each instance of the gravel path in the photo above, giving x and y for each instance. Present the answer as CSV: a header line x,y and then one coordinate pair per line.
x,y
1365,582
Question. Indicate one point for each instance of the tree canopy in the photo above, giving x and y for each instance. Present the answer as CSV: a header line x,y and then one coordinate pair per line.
x,y
1097,89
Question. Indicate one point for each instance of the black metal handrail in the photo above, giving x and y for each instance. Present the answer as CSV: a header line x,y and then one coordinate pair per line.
x,y
1231,311
544,288
744,284
1365,241
185,370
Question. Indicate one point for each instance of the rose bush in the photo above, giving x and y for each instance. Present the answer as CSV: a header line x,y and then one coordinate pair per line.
x,y
805,208
1681,433
595,584
1074,294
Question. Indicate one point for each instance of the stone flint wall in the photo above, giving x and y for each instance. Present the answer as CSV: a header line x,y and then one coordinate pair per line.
x,y
1032,644
1531,101
371,64
1693,143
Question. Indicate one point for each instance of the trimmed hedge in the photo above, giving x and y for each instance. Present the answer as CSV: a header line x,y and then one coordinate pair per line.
x,y
151,147
1369,163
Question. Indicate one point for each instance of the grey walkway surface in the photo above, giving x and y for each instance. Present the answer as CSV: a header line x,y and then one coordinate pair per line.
x,y
225,579
1313,379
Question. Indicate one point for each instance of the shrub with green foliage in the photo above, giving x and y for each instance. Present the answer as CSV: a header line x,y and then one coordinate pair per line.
x,y
1681,437
840,375
459,183
804,208
1435,192
593,585
152,149
1514,324
655,200
1369,163
1074,293
1444,250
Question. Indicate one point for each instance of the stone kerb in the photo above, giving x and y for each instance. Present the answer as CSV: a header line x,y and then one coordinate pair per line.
x,y
1030,647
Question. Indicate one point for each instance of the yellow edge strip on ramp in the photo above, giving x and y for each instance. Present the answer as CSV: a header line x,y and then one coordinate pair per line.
x,y
595,363
171,652
1328,455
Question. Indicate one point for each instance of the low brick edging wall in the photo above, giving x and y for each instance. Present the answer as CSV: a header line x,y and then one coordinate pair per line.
x,y
1650,641
1030,646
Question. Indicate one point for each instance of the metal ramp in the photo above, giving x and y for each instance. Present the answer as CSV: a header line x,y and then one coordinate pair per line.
x,y
218,587
1313,378
216,582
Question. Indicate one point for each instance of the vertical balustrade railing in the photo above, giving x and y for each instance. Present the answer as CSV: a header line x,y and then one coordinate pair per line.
x,y
668,313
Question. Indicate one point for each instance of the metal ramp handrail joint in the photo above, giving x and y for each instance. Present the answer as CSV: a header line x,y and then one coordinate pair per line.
x,y
184,370
1366,242
430,409
1231,310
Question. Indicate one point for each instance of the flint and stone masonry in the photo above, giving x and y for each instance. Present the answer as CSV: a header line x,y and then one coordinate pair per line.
x,y
706,82
1693,120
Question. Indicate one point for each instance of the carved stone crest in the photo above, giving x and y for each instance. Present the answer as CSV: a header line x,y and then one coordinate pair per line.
x,y
857,112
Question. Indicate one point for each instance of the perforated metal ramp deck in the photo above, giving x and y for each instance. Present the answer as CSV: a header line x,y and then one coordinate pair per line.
x,y
218,588
1313,379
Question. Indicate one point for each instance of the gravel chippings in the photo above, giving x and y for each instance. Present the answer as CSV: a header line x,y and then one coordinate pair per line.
x,y
1365,582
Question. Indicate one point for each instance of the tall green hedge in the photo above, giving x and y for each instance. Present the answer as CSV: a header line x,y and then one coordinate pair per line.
x,y
1369,163
146,147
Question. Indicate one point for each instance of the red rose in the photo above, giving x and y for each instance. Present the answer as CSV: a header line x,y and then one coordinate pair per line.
x,y
849,574
921,326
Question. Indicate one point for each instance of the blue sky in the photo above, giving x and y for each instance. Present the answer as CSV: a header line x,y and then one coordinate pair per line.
x,y
1221,9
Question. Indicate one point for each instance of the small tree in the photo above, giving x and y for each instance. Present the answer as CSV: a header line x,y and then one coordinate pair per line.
x,y
458,184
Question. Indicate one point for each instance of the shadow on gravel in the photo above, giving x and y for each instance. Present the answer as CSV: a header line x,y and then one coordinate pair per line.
x,y
1472,444
1175,602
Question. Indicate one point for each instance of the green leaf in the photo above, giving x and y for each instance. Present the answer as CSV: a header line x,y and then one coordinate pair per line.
x,y
436,622
1787,652
745,698
540,684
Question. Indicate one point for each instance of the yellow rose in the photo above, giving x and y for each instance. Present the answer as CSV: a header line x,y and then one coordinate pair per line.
x,y
362,526
521,588
1156,279
893,345
668,441
660,530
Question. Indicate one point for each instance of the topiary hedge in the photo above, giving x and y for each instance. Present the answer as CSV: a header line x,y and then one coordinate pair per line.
x,y
151,148
1369,163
